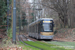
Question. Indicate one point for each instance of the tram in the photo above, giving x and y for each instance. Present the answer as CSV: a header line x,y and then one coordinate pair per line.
x,y
42,29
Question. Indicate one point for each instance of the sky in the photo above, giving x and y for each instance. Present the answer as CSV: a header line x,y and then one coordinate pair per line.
x,y
30,1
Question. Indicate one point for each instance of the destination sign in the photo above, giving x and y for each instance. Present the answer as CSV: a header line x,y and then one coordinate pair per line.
x,y
47,21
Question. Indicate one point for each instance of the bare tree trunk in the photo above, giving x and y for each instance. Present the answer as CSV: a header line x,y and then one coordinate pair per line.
x,y
65,21
60,20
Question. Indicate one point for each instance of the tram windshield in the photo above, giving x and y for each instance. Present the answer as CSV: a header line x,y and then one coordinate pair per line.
x,y
47,27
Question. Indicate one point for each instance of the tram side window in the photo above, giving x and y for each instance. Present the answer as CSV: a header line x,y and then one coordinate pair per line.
x,y
39,27
29,29
36,28
32,29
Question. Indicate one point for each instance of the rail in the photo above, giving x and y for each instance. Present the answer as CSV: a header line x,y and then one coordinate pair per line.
x,y
27,43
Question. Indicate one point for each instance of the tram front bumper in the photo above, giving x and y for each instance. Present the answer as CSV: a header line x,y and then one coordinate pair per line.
x,y
46,37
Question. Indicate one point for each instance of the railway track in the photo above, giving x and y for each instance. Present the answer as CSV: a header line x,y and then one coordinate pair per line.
x,y
26,39
31,41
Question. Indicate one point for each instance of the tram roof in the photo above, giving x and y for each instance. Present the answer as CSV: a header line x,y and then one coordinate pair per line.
x,y
35,22
46,18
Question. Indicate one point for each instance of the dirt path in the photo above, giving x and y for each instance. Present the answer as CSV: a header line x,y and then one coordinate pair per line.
x,y
65,34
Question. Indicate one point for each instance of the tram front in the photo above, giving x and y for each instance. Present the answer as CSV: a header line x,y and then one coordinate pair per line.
x,y
47,29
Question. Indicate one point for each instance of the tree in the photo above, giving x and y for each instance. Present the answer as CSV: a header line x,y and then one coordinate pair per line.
x,y
3,10
60,6
24,21
32,14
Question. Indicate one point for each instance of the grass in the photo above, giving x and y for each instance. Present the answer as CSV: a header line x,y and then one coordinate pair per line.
x,y
18,44
44,46
26,47
9,33
43,43
64,44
